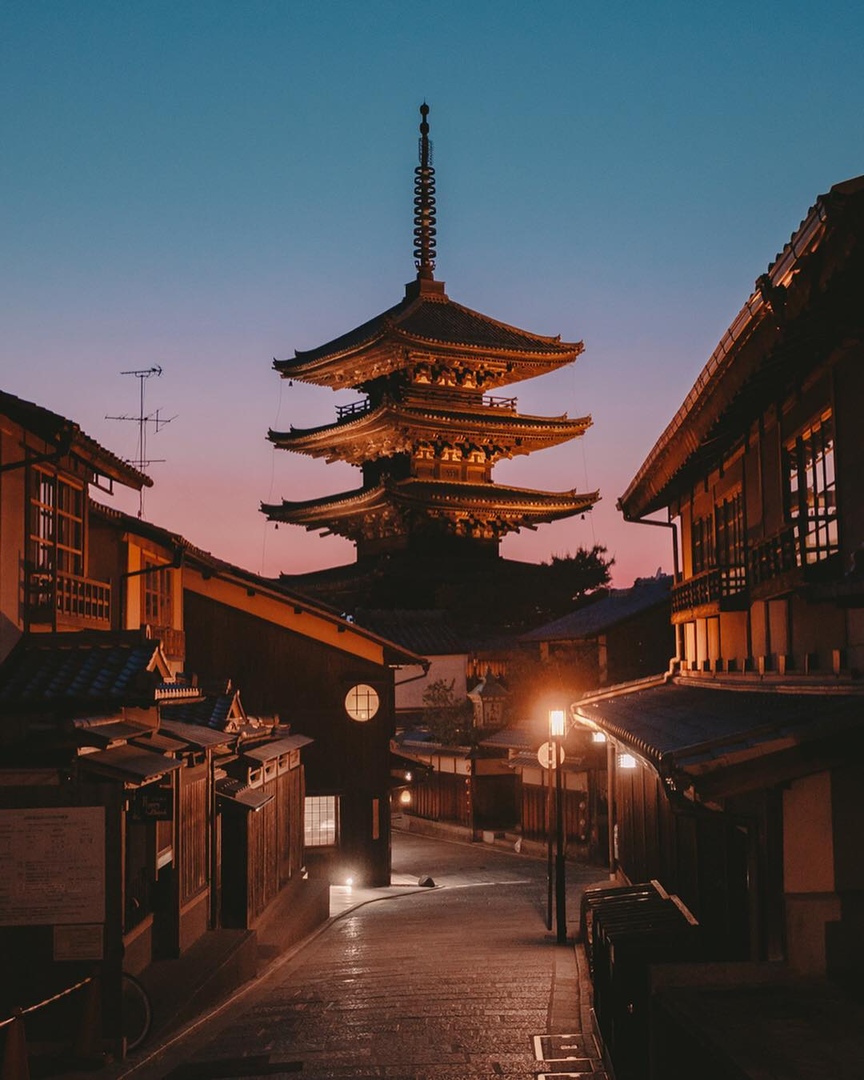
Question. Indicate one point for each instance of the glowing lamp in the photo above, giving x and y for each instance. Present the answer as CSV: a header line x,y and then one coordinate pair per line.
x,y
626,761
556,723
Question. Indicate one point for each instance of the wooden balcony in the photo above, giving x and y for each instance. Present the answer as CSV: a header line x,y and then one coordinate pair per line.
x,y
352,411
776,568
68,599
720,588
773,566
493,402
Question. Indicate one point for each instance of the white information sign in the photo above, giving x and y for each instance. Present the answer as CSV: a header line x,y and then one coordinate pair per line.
x,y
52,865
546,755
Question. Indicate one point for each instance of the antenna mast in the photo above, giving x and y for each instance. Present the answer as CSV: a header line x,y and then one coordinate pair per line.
x,y
141,461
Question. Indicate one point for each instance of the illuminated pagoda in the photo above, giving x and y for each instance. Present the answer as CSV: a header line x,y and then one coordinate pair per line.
x,y
430,426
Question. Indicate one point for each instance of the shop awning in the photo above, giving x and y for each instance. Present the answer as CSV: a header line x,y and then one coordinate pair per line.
x,y
725,738
235,791
274,749
196,735
130,764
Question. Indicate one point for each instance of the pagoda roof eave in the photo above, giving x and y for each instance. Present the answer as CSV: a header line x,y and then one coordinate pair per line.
x,y
430,323
493,422
436,495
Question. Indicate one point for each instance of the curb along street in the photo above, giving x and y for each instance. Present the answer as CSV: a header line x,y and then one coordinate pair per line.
x,y
476,882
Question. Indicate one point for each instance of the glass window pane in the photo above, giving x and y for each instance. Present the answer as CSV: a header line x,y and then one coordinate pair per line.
x,y
321,820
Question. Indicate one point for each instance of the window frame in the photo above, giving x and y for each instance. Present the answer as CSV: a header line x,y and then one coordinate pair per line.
x,y
157,593
316,835
56,533
811,507
702,543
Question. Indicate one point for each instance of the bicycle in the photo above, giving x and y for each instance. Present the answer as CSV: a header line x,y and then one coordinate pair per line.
x,y
137,1012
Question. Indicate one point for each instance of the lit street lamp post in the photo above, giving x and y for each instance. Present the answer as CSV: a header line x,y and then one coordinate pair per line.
x,y
550,872
556,733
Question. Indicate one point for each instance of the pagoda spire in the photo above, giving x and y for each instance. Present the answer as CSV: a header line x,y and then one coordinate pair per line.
x,y
424,205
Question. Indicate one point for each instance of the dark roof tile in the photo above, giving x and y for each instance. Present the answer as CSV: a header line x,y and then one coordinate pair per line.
x,y
688,723
437,320
597,617
423,632
71,669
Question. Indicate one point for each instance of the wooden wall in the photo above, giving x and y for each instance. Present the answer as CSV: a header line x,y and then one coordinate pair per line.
x,y
305,682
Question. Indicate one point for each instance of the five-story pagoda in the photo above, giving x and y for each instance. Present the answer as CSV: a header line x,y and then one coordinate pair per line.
x,y
430,425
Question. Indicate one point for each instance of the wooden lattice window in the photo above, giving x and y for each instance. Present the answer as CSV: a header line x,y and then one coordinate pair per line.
x,y
56,529
729,531
158,594
702,544
811,491
321,820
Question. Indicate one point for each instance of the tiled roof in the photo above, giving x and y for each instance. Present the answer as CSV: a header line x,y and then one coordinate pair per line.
x,y
447,321
597,617
441,494
238,792
273,748
193,734
57,429
129,763
676,725
74,670
212,711
436,320
427,633
526,760
481,422
525,735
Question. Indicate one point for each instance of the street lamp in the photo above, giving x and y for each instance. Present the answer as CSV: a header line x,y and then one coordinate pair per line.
x,y
556,735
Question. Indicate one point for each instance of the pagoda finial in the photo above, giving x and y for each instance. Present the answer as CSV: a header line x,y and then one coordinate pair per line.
x,y
424,204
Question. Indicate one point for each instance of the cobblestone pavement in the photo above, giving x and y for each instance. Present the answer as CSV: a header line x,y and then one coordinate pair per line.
x,y
443,983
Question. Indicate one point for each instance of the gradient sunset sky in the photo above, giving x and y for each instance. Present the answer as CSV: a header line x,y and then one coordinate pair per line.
x,y
205,185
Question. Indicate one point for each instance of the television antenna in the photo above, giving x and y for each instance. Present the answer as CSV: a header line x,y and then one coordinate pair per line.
x,y
145,422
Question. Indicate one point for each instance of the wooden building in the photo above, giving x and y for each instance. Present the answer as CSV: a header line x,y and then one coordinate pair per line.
x,y
583,788
194,813
298,661
620,635
735,778
47,467
470,787
429,427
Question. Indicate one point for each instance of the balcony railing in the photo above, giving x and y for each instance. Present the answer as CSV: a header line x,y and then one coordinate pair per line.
x,y
356,408
773,558
69,597
492,402
723,586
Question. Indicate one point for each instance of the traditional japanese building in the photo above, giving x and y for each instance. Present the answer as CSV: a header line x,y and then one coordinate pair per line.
x,y
734,779
430,425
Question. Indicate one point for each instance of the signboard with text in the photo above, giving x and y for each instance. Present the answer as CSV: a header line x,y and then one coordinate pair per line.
x,y
52,865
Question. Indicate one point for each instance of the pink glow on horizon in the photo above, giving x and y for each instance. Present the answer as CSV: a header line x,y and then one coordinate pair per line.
x,y
177,193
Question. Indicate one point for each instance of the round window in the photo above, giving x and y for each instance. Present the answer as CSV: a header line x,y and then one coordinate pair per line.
x,y
361,702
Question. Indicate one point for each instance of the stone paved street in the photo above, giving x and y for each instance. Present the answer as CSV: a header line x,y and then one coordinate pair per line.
x,y
444,983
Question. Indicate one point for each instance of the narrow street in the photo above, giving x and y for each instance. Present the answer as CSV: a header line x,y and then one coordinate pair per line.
x,y
445,983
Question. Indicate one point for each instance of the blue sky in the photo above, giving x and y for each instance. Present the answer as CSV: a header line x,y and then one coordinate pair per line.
x,y
204,186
